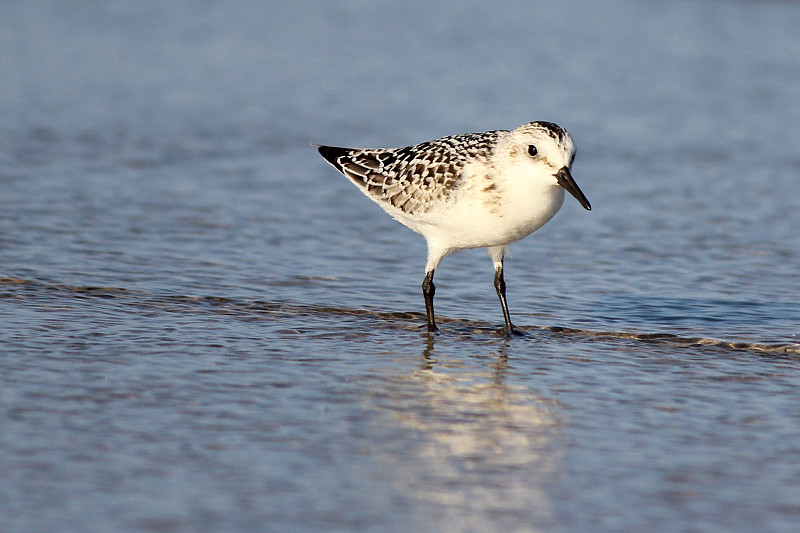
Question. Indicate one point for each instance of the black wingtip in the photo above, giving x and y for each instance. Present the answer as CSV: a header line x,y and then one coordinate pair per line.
x,y
331,154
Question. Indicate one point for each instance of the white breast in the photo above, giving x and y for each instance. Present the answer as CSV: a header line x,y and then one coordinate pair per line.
x,y
490,212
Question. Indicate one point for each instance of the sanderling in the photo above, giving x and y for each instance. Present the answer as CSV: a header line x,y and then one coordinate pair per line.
x,y
472,190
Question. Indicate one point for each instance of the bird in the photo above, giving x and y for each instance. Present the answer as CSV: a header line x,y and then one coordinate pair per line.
x,y
470,190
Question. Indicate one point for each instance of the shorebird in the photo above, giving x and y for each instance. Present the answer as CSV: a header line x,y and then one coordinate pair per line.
x,y
471,190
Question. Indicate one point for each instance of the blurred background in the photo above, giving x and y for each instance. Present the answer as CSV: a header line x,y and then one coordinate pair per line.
x,y
206,328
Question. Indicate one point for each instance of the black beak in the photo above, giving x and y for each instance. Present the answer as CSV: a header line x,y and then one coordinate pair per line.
x,y
565,180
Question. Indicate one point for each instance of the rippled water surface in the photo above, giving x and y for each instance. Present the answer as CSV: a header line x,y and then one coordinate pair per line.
x,y
206,328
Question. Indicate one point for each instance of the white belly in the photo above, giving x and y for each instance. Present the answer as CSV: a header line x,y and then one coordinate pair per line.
x,y
473,222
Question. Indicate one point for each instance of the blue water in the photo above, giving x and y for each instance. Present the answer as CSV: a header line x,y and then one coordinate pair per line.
x,y
206,328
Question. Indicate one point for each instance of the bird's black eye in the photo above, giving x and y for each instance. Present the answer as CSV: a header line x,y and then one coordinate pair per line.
x,y
532,150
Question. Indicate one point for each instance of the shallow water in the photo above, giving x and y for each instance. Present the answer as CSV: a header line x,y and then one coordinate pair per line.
x,y
205,328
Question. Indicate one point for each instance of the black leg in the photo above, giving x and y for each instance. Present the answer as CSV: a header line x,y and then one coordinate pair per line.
x,y
428,290
500,287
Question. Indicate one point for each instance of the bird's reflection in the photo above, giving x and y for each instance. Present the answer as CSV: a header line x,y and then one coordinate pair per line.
x,y
477,436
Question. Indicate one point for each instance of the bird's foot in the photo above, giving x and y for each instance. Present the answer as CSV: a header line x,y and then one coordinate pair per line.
x,y
432,328
510,331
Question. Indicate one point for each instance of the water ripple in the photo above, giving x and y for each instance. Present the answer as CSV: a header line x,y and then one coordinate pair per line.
x,y
20,289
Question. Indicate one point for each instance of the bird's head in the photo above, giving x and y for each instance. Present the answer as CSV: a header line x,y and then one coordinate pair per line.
x,y
548,150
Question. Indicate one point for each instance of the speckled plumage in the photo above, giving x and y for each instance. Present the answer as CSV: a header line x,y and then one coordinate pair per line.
x,y
469,190
414,178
